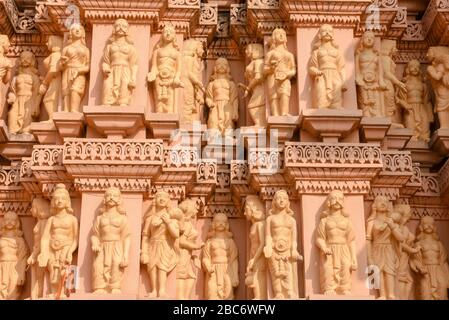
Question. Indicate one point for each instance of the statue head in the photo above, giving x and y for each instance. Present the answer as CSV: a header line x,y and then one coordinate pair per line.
x,y
427,227
279,36
162,199
40,208
281,202
54,43
11,222
413,68
188,208
192,46
60,200
220,224
254,208
437,54
326,33
254,51
404,212
121,27
113,199
168,33
4,44
368,39
77,32
221,67
380,204
27,59
388,47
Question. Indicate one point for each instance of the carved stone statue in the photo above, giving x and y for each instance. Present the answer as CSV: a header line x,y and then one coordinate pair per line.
x,y
431,262
279,68
40,209
52,84
220,260
381,234
119,66
438,72
254,73
191,78
336,240
369,77
159,238
111,239
166,71
5,64
281,247
221,97
189,262
13,257
327,68
60,237
392,109
75,61
256,271
24,95
418,113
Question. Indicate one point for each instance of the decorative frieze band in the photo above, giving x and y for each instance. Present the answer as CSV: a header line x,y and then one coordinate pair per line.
x,y
101,184
324,187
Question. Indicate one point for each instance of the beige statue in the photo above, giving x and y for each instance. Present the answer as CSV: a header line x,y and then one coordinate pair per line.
x,y
255,90
369,77
279,68
418,113
191,78
189,262
13,257
327,68
24,95
51,85
221,97
256,271
60,237
166,64
160,243
381,235
5,64
336,240
40,209
111,239
431,262
438,72
281,247
119,66
392,83
75,61
220,260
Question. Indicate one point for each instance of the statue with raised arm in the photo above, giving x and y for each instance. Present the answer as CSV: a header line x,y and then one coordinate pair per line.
x,y
5,63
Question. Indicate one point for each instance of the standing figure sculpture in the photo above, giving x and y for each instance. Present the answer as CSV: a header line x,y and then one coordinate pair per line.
x,y
327,68
392,83
336,240
281,247
256,271
418,113
5,64
166,71
191,78
119,66
40,209
279,68
369,77
220,260
438,72
159,243
51,85
111,240
24,95
221,98
75,61
60,237
381,234
431,262
13,257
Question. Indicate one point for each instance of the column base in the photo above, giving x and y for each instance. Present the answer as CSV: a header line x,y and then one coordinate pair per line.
x,y
286,127
422,153
374,129
440,141
18,146
69,124
162,125
45,132
397,138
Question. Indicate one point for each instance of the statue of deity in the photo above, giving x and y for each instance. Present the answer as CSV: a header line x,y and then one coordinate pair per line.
x,y
418,113
160,237
191,77
327,68
59,239
111,239
254,73
5,64
438,72
51,86
75,61
279,68
119,66
336,240
13,257
381,235
431,262
222,98
40,209
24,95
220,260
256,271
166,71
369,77
281,247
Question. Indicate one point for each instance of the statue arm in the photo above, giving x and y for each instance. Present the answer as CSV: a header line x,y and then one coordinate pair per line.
x,y
188,244
53,70
206,259
22,254
85,68
294,252
268,249
321,235
352,247
133,62
173,228
234,101
369,240
313,65
401,97
178,69
126,240
154,68
75,239
341,69
210,95
145,236
358,73
95,239
106,65
45,244
234,263
261,235
388,75
292,64
12,91
434,73
267,69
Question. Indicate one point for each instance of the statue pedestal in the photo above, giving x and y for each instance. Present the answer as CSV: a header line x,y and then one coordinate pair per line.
x,y
374,129
69,124
421,153
397,138
282,128
45,132
162,125
440,141
17,146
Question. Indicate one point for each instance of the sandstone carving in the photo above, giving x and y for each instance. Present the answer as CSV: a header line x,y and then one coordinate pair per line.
x,y
437,71
5,63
